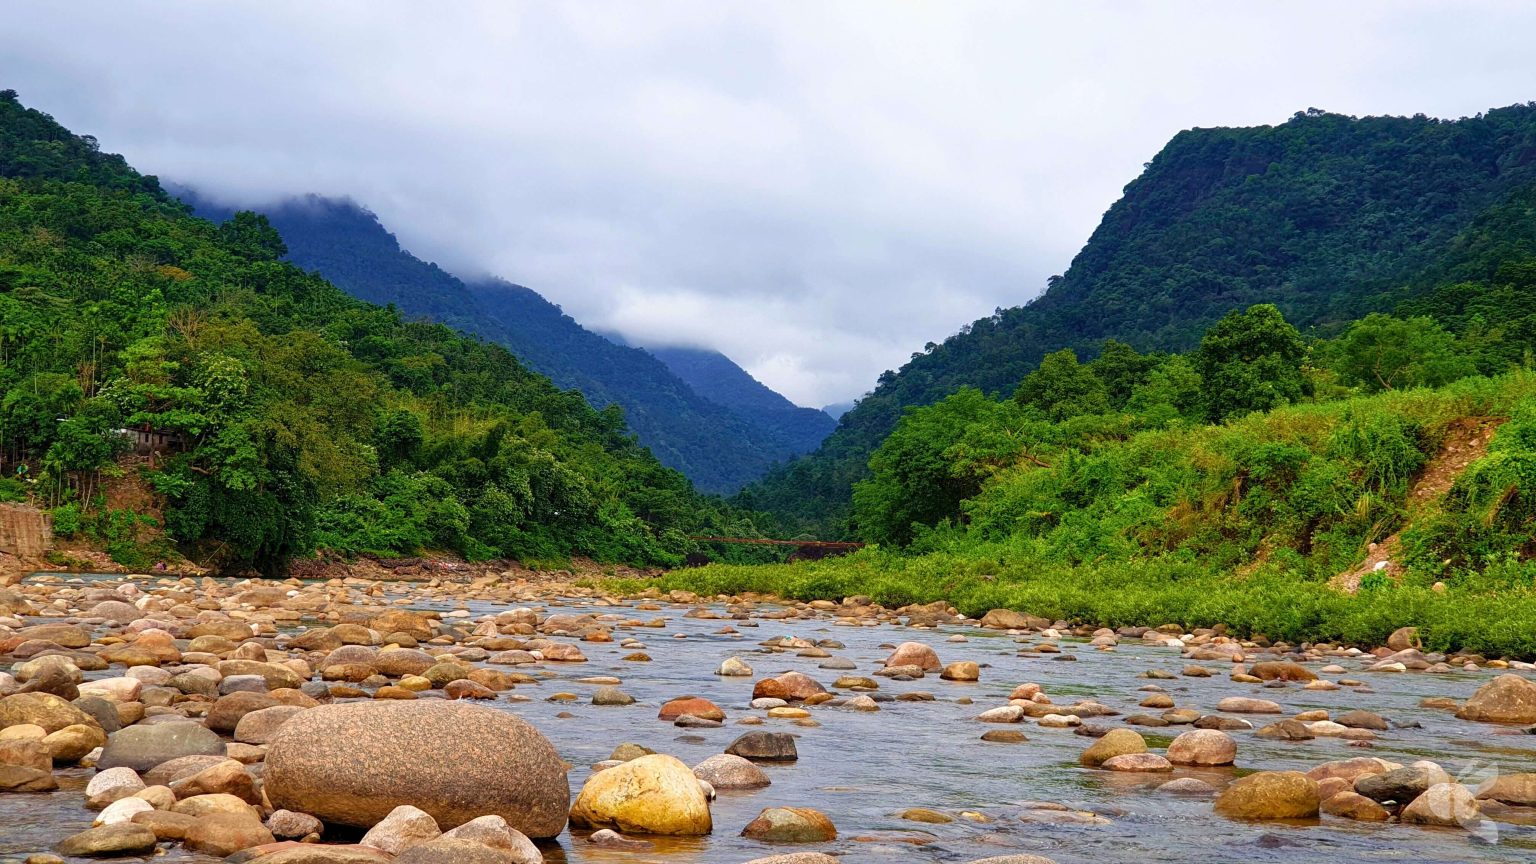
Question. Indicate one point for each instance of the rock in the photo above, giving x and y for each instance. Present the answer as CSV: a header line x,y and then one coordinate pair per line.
x,y
1187,786
1004,736
258,727
1270,795
701,708
495,833
1203,747
1403,639
1286,730
1353,805
914,654
1445,804
289,852
1506,699
765,747
288,825
729,771
108,841
798,858
404,827
1282,670
1245,705
1516,789
1116,742
228,777
225,715
72,743
353,763
453,851
111,785
1005,619
1002,714
41,709
654,794
122,810
734,667
167,773
611,696
203,805
143,747
963,670
165,824
791,825
607,839
926,816
791,687
1137,762
224,834
1400,785
1362,720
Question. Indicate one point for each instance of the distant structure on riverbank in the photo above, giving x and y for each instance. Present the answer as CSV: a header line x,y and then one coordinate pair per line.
x,y
805,550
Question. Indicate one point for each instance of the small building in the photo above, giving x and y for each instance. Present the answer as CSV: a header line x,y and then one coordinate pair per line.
x,y
147,441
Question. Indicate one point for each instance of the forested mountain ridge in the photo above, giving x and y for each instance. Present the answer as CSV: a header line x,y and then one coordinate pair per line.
x,y
717,447
1326,216
297,416
717,378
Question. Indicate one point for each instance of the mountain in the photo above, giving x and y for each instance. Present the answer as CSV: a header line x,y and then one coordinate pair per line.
x,y
837,409
289,416
1326,216
717,378
717,448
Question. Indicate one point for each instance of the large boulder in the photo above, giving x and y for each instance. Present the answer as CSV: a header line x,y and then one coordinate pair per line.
x,y
654,794
915,654
1270,795
41,709
353,763
1516,789
1505,699
143,747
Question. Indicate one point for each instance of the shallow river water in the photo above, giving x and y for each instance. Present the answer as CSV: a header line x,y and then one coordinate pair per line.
x,y
863,769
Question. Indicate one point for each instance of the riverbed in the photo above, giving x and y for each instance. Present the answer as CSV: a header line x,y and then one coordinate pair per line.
x,y
864,769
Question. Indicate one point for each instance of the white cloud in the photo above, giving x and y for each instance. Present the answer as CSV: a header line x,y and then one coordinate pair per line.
x,y
815,188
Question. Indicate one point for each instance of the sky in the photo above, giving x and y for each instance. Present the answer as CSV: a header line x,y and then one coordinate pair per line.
x,y
814,188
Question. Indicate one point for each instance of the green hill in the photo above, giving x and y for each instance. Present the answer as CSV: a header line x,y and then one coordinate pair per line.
x,y
1327,217
299,418
719,445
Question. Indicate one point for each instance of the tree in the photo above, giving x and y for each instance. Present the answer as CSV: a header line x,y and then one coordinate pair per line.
x,y
1380,352
916,478
1061,388
1122,370
1251,360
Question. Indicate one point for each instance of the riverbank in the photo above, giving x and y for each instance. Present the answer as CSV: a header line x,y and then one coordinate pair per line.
x,y
1488,618
230,714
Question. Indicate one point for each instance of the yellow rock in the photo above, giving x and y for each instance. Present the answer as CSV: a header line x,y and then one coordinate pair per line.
x,y
654,794
788,712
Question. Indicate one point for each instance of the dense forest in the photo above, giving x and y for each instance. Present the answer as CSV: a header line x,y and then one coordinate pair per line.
x,y
719,444
1239,484
1325,216
298,417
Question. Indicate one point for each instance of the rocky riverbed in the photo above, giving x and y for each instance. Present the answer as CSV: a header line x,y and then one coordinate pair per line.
x,y
516,720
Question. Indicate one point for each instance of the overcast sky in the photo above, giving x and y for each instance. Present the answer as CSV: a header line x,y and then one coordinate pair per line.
x,y
814,188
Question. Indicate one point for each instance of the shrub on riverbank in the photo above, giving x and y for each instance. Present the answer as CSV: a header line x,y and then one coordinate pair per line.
x,y
1244,523
1269,603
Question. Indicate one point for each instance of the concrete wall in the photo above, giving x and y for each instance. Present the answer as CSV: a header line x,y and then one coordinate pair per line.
x,y
24,531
